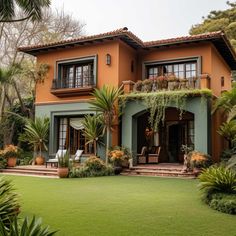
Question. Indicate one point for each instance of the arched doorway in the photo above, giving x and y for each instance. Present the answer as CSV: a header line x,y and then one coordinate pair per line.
x,y
171,135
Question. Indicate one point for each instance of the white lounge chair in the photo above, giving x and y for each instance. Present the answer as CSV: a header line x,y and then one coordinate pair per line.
x,y
77,155
54,161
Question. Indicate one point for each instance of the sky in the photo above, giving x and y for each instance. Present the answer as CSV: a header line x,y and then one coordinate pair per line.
x,y
148,19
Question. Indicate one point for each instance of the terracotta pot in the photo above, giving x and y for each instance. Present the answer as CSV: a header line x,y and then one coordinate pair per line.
x,y
63,172
39,160
11,161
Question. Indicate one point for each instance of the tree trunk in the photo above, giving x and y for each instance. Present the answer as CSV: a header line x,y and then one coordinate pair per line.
x,y
95,148
107,145
23,108
3,99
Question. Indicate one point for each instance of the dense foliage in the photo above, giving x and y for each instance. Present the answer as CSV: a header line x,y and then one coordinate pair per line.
x,y
12,125
33,9
36,133
218,184
93,130
224,202
25,227
219,20
64,161
9,201
92,167
106,104
157,102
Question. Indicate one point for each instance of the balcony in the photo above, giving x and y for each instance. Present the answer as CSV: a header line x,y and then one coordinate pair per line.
x,y
69,88
165,83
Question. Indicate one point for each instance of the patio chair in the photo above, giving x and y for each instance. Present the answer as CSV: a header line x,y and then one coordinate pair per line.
x,y
142,156
153,157
54,161
77,156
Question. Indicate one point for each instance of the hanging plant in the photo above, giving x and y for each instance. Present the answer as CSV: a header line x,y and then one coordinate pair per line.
x,y
157,102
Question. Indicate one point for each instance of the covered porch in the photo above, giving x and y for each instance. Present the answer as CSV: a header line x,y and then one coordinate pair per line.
x,y
193,129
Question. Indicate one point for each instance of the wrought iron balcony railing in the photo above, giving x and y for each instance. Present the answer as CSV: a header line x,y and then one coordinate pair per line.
x,y
66,87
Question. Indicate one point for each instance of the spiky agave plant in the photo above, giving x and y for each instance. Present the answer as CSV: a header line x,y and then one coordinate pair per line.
x,y
217,179
25,228
36,133
9,201
93,130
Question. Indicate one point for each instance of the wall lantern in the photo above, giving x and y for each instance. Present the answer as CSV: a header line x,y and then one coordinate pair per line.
x,y
108,59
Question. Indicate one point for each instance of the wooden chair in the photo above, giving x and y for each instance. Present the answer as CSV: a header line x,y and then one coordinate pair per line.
x,y
153,157
142,156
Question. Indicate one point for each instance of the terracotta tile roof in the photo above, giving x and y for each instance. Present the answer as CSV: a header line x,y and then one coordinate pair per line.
x,y
218,38
184,39
119,32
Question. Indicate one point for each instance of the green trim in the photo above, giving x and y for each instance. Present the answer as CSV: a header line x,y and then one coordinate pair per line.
x,y
59,63
173,60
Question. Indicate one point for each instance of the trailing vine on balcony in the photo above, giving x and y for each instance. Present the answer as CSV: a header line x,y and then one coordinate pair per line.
x,y
157,102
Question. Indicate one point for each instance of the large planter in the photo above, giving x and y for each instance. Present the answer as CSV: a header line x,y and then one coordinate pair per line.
x,y
117,170
63,172
11,161
39,160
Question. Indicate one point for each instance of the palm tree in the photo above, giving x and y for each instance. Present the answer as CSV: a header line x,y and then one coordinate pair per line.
x,y
106,104
226,101
31,8
36,133
228,131
93,130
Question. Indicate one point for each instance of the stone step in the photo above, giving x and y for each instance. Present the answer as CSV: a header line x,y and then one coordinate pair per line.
x,y
29,172
156,169
158,173
38,169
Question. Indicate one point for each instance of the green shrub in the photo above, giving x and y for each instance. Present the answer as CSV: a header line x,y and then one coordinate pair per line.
x,y
199,159
3,162
93,163
231,163
86,172
218,179
25,228
227,153
9,201
224,202
26,158
64,161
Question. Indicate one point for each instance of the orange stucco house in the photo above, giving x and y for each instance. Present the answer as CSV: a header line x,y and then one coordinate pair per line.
x,y
117,58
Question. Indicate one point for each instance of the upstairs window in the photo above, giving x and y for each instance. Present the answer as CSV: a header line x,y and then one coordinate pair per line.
x,y
77,75
180,70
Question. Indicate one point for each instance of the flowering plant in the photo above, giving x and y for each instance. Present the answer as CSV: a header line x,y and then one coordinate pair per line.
x,y
10,151
119,154
199,159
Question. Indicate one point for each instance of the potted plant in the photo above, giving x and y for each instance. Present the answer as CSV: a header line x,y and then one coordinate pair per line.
x,y
173,82
138,86
36,133
187,165
11,152
119,156
147,85
63,165
162,82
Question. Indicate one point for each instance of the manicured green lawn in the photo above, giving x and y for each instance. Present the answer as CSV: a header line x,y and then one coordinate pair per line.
x,y
122,206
